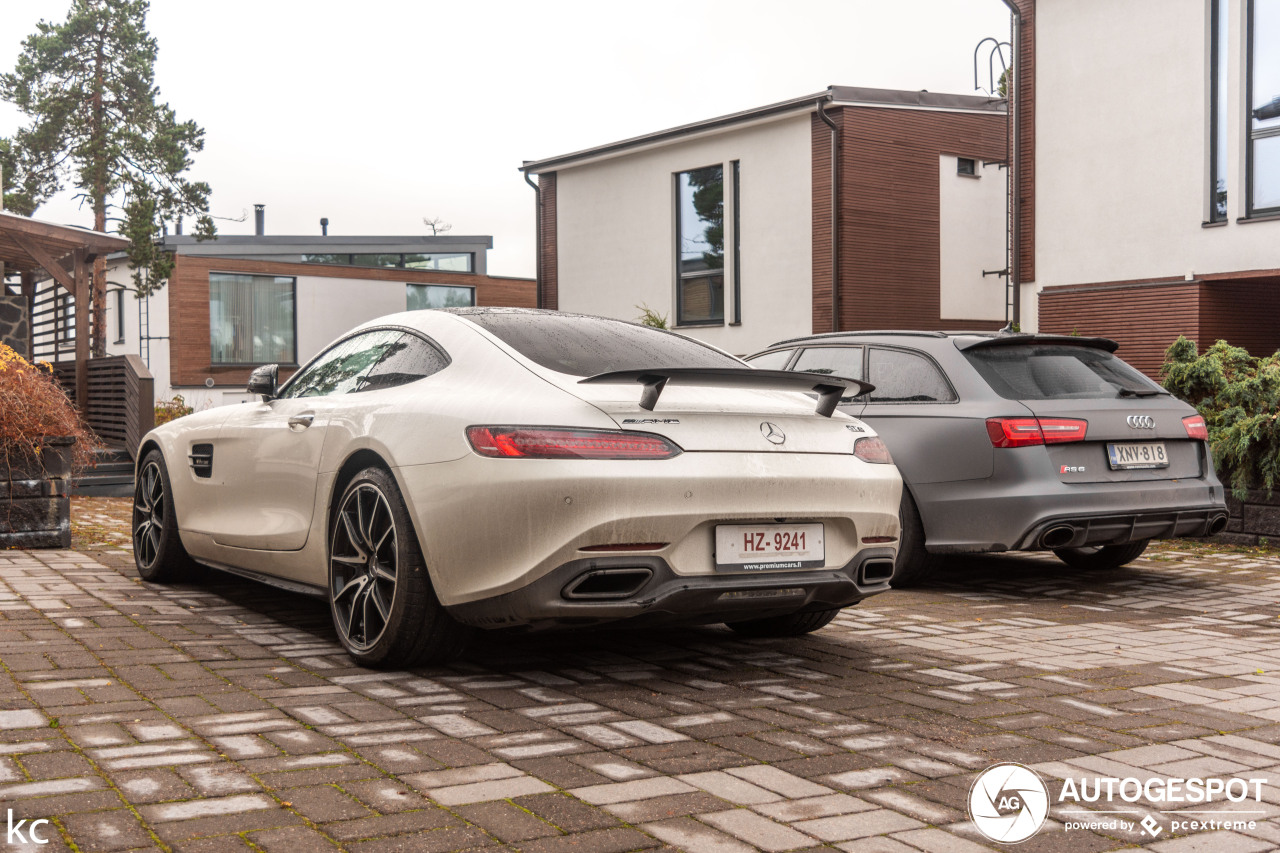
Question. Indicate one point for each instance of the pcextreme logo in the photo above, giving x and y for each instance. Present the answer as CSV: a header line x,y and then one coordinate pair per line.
x,y
1009,803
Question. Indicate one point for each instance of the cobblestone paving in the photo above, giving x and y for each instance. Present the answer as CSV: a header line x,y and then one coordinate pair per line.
x,y
224,717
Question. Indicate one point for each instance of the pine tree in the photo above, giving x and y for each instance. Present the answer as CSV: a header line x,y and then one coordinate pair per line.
x,y
87,87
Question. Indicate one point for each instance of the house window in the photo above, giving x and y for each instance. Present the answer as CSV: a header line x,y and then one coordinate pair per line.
x,y
1218,114
1263,119
449,261
252,318
421,296
700,246
966,166
119,316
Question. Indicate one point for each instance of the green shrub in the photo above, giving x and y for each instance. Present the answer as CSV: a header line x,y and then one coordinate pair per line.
x,y
169,410
1239,397
652,318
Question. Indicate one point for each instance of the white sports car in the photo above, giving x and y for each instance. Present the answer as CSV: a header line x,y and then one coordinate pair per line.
x,y
433,472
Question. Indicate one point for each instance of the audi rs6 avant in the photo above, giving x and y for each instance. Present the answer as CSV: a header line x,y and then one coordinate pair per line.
x,y
1020,442
435,472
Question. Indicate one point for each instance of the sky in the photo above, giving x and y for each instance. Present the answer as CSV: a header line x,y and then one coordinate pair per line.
x,y
377,114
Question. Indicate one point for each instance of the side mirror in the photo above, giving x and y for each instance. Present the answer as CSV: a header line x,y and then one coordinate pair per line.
x,y
263,381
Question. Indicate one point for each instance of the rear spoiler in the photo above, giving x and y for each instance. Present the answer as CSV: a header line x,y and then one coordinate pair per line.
x,y
828,388
1015,339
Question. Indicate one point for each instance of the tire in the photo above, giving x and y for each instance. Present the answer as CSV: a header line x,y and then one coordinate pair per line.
x,y
157,547
384,607
914,563
1101,558
791,625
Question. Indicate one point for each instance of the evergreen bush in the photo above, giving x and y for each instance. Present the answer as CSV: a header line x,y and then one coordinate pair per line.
x,y
1239,397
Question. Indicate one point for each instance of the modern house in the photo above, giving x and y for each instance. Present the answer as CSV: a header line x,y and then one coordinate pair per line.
x,y
237,302
846,209
1151,158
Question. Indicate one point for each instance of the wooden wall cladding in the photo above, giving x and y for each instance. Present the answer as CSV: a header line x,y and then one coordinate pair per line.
x,y
1144,318
890,213
547,246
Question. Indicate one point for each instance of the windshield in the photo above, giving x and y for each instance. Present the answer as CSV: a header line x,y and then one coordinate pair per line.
x,y
586,346
1056,372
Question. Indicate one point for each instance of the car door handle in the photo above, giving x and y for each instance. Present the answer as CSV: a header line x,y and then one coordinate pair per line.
x,y
302,421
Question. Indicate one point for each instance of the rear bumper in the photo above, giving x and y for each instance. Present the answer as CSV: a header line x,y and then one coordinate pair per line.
x,y
1077,531
666,597
1024,498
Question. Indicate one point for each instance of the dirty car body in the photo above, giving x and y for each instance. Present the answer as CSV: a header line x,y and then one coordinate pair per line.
x,y
540,470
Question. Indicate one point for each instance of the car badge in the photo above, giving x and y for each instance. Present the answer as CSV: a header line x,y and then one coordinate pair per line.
x,y
772,433
1141,421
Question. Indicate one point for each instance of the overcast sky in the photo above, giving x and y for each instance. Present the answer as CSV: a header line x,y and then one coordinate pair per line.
x,y
382,112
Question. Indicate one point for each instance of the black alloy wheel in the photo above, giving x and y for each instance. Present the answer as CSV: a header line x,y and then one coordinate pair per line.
x,y
384,607
363,566
157,548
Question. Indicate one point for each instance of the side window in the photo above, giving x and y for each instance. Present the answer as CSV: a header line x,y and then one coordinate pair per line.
x,y
834,361
340,369
771,360
903,377
407,360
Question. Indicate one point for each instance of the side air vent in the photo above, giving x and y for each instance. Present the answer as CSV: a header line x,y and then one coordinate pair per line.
x,y
202,460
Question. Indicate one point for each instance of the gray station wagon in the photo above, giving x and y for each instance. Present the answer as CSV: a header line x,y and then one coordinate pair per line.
x,y
1018,442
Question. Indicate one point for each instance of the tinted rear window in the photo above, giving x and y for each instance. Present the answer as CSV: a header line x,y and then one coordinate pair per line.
x,y
1049,372
585,346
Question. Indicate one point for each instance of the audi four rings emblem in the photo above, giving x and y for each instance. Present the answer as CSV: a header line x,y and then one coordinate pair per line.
x,y
1141,421
772,433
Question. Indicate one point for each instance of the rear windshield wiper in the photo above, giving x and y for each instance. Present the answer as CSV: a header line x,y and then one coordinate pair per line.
x,y
1140,392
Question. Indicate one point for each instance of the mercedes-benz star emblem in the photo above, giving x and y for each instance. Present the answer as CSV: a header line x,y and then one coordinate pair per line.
x,y
1141,421
772,433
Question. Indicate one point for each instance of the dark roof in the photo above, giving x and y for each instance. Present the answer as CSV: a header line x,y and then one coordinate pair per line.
x,y
832,95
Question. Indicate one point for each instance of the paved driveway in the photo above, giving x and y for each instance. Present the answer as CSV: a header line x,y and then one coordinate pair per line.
x,y
225,717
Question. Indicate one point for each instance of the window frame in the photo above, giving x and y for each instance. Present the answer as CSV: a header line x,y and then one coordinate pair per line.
x,y
409,284
293,362
866,377
973,166
448,360
1251,212
681,277
1219,122
120,332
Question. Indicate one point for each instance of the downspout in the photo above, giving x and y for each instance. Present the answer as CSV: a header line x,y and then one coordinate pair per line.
x,y
835,214
1014,121
537,285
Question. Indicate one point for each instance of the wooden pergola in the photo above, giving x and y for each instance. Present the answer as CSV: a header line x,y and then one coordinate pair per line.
x,y
66,254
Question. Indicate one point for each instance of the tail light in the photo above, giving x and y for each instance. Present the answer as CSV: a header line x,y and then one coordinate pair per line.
x,y
1029,432
872,449
1195,427
519,442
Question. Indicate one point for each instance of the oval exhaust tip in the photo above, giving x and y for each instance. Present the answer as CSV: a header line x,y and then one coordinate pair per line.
x,y
1217,524
1058,537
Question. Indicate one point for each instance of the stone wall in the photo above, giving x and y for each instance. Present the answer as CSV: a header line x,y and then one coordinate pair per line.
x,y
1252,519
14,326
35,503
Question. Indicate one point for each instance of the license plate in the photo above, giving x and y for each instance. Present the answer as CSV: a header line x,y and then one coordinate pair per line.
x,y
765,547
1149,454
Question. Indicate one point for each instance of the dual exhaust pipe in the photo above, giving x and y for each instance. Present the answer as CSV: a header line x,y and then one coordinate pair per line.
x,y
1061,535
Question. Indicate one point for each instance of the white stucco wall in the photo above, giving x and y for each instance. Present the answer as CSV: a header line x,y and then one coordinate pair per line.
x,y
616,232
1122,156
971,216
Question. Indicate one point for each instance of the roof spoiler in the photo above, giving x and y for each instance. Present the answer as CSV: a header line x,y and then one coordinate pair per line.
x,y
1015,339
828,388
